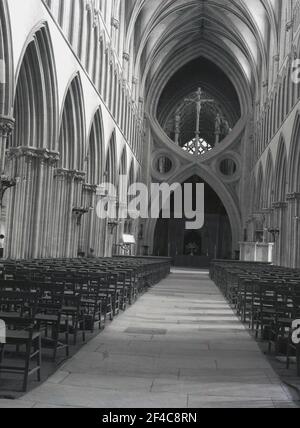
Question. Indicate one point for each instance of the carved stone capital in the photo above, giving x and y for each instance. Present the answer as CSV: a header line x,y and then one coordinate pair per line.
x,y
70,174
31,153
115,23
79,213
293,197
90,188
289,25
280,205
5,184
7,125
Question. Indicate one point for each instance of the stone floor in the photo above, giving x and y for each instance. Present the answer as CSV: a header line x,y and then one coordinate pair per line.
x,y
179,346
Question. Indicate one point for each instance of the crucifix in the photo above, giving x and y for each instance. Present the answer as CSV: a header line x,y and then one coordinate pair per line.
x,y
198,100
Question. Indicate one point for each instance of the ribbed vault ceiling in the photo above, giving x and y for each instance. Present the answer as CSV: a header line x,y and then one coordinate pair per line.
x,y
243,29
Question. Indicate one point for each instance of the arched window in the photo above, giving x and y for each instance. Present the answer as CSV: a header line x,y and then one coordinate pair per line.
x,y
200,147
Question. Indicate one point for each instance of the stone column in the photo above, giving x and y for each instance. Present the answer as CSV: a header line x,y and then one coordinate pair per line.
x,y
280,231
276,60
123,208
268,214
101,223
87,239
112,226
44,162
75,203
293,229
6,128
126,58
115,24
49,207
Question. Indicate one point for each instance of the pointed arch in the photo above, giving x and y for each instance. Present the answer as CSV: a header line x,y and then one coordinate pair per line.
x,y
72,130
111,161
294,159
220,189
36,109
123,162
95,154
6,62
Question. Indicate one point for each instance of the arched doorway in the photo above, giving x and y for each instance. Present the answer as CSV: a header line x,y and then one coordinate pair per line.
x,y
195,248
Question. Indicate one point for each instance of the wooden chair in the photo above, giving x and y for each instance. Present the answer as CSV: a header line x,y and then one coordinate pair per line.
x,y
23,332
49,316
72,307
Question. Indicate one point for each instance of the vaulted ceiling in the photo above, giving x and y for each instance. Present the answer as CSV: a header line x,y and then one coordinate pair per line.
x,y
237,34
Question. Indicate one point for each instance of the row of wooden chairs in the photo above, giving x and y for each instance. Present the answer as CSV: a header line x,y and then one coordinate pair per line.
x,y
266,297
45,302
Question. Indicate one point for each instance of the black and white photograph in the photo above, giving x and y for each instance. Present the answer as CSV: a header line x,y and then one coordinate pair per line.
x,y
149,207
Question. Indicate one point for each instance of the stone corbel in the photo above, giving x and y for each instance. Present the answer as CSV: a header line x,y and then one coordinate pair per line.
x,y
6,128
101,192
115,23
90,188
275,232
79,213
112,225
79,175
126,56
5,184
293,197
7,125
289,25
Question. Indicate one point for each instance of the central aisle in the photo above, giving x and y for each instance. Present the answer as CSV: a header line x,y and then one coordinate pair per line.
x,y
179,346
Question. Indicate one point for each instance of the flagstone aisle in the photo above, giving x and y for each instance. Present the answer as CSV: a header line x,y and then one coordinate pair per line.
x,y
179,346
